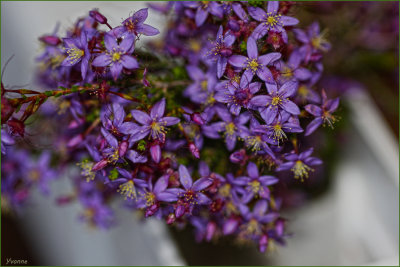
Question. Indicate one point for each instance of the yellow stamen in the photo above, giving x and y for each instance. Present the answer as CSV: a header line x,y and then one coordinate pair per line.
x,y
253,65
276,100
300,170
128,190
116,56
230,128
87,170
74,54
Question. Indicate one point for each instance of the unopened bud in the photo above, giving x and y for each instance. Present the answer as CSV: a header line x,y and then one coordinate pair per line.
x,y
50,40
194,150
100,18
197,118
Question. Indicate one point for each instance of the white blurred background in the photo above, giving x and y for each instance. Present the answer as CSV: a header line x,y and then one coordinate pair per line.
x,y
355,223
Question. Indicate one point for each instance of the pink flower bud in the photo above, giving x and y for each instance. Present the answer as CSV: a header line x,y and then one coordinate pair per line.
x,y
77,139
123,147
263,243
100,165
50,40
197,118
194,150
171,218
210,230
155,152
100,18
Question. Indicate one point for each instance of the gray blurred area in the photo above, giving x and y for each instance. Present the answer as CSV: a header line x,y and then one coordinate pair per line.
x,y
356,223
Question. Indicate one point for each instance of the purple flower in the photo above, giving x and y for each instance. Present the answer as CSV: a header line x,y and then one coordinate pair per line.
x,y
300,164
270,20
256,219
291,70
203,9
256,185
39,172
237,95
78,51
322,114
191,194
127,184
313,42
155,124
221,50
283,123
152,195
202,90
117,56
257,140
277,100
112,118
254,64
134,25
230,126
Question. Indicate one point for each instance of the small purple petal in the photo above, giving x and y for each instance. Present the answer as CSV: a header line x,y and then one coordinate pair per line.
x,y
185,178
141,117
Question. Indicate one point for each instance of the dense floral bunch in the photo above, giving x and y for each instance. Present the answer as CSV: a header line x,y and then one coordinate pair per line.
x,y
194,132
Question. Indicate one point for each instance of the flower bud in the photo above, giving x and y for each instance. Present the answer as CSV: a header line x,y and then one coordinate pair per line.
x,y
75,140
238,157
123,148
100,18
100,165
17,127
155,152
230,226
263,243
194,150
171,218
50,40
197,118
210,230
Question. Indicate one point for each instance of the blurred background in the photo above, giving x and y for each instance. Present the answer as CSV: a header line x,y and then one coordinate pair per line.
x,y
354,220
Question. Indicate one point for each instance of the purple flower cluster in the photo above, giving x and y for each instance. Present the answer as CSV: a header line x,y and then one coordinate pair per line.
x,y
204,150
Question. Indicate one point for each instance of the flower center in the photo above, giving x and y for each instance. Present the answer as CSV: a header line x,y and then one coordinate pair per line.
x,y
278,133
301,170
130,25
273,20
276,100
252,227
116,56
150,198
87,170
255,186
253,65
190,197
225,190
114,156
157,129
74,54
329,118
254,142
34,175
210,99
287,72
303,91
230,128
204,85
128,190
194,45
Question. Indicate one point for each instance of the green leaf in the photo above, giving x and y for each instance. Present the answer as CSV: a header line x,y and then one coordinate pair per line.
x,y
113,174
